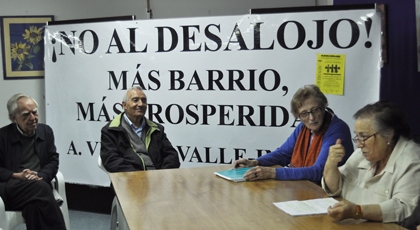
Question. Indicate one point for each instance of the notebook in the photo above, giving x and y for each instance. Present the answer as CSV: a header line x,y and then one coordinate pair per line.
x,y
235,175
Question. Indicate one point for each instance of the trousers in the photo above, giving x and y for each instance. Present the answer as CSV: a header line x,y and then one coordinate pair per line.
x,y
36,201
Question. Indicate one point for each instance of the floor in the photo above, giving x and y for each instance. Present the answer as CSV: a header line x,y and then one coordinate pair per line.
x,y
80,220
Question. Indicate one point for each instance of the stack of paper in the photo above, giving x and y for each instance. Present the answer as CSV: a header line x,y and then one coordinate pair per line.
x,y
306,207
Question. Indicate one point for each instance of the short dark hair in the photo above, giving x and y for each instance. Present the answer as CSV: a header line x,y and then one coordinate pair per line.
x,y
386,115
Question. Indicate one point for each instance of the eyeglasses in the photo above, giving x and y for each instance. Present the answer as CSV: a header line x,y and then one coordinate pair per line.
x,y
364,139
314,112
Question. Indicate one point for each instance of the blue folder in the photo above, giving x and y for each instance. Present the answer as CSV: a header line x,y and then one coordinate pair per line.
x,y
235,175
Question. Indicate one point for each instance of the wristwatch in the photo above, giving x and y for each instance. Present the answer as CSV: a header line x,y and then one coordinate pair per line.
x,y
358,213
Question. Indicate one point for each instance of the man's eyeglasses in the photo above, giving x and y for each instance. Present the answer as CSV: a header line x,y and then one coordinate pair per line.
x,y
363,139
314,112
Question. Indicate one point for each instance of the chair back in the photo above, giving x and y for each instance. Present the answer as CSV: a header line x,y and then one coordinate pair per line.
x,y
101,165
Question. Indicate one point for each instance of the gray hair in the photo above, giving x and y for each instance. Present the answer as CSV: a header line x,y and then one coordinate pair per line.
x,y
304,93
12,104
125,98
386,116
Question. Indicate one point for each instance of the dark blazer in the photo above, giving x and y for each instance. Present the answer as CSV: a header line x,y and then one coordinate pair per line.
x,y
11,153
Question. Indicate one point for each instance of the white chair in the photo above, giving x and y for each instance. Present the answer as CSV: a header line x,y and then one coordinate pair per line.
x,y
10,219
117,217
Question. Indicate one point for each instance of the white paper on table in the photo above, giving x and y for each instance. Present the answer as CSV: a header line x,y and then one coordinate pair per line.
x,y
306,207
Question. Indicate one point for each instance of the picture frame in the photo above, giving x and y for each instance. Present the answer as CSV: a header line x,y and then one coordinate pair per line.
x,y
23,46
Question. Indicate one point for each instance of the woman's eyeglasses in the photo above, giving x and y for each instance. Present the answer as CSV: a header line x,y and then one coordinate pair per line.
x,y
363,139
314,112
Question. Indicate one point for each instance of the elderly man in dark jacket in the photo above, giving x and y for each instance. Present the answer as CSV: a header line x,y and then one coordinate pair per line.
x,y
131,142
28,163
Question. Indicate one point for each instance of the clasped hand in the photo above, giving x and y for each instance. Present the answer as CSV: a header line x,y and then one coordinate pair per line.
x,y
27,174
342,210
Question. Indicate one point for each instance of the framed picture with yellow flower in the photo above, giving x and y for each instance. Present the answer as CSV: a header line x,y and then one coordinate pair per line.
x,y
23,46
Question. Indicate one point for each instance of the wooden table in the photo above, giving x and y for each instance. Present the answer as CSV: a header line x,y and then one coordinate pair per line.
x,y
195,198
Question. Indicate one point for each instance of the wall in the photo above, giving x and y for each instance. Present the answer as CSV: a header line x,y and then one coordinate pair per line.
x,y
101,198
81,9
400,78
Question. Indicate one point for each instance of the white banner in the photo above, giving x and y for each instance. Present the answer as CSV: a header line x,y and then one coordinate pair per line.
x,y
221,86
